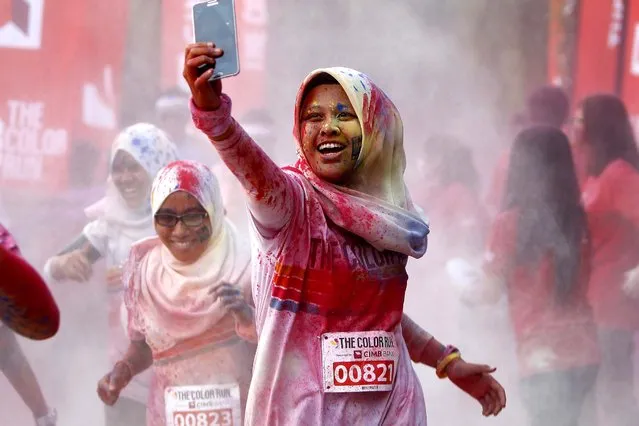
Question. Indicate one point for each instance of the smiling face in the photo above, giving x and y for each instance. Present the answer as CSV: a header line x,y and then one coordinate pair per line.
x,y
131,179
188,238
331,135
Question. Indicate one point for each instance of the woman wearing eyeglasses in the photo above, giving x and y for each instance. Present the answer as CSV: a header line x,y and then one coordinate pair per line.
x,y
190,313
138,153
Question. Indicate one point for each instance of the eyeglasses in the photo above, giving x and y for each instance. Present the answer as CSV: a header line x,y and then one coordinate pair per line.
x,y
192,220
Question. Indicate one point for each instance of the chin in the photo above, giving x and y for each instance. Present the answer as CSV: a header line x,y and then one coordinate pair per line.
x,y
184,257
134,203
334,177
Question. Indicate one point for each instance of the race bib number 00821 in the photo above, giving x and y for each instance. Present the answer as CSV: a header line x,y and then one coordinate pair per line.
x,y
359,361
209,405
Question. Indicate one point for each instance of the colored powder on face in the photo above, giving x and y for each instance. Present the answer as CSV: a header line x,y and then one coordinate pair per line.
x,y
341,107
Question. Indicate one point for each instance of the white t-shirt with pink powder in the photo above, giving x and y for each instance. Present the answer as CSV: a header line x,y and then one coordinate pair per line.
x,y
312,279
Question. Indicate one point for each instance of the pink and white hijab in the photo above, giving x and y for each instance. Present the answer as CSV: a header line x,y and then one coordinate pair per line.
x,y
173,300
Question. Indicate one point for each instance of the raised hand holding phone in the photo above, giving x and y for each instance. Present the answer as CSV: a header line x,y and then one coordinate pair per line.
x,y
206,94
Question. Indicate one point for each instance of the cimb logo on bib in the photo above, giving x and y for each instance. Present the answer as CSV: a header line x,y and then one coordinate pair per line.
x,y
21,24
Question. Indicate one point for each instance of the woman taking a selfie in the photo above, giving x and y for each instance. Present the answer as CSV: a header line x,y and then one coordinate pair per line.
x,y
138,152
189,306
333,234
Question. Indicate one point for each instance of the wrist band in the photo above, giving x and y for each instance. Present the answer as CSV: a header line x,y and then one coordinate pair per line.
x,y
450,354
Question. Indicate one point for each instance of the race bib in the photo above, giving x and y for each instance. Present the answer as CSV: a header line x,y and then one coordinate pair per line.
x,y
205,405
359,361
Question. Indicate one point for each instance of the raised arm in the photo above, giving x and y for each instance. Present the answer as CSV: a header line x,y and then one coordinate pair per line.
x,y
271,193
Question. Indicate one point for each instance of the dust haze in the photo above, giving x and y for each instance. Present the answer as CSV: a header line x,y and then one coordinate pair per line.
x,y
450,66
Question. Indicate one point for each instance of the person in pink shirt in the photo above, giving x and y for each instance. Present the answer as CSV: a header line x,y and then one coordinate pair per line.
x,y
538,253
603,131
332,235
189,310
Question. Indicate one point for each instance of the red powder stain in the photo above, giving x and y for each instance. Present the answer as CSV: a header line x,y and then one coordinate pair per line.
x,y
188,177
371,108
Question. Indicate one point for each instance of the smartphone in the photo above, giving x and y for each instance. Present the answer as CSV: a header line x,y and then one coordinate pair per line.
x,y
214,21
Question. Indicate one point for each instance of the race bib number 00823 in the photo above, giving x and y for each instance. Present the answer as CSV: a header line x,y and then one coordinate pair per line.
x,y
209,405
359,361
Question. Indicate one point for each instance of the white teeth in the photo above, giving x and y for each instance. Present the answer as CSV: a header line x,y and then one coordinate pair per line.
x,y
182,245
329,146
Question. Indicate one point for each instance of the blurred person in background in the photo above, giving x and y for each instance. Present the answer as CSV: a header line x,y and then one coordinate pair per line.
x,y
138,152
22,286
547,105
86,185
447,187
448,192
172,116
538,253
602,129
189,302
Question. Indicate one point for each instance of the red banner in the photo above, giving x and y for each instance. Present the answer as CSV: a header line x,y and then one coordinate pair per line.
x,y
248,88
599,37
53,55
630,85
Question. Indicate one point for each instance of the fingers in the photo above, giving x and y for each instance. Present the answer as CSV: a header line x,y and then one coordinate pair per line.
x,y
79,272
494,400
491,404
500,394
217,86
227,292
114,278
498,405
197,54
201,48
210,51
200,60
472,369
222,289
202,82
235,306
104,392
80,266
485,404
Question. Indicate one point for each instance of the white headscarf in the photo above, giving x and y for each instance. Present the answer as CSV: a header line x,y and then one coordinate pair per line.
x,y
152,149
174,297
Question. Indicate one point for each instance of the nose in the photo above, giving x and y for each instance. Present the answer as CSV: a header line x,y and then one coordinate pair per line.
x,y
125,176
180,230
330,128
